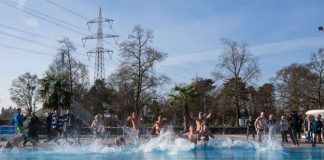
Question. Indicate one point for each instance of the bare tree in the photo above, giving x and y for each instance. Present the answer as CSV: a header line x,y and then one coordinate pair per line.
x,y
294,86
23,91
136,71
236,62
316,65
65,64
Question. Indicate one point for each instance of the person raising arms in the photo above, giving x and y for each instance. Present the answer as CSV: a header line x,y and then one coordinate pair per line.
x,y
200,119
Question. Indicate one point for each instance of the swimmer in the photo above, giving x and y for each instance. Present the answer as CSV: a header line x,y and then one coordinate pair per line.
x,y
136,123
200,119
260,125
120,141
158,125
204,134
192,135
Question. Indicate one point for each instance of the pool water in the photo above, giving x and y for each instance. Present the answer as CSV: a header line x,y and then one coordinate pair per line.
x,y
167,146
239,153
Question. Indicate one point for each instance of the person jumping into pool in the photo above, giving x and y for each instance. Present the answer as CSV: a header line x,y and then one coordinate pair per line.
x,y
200,119
97,127
192,135
158,125
136,121
260,126
204,134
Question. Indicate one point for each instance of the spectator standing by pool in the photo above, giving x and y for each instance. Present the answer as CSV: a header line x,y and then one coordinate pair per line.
x,y
294,126
307,128
300,126
316,128
69,124
283,123
33,127
49,127
250,128
18,120
57,124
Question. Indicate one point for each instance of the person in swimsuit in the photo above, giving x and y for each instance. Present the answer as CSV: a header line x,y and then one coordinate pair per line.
x,y
192,135
158,125
97,127
204,133
260,125
136,123
200,119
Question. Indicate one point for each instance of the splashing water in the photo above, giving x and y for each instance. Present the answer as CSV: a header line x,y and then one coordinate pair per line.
x,y
168,142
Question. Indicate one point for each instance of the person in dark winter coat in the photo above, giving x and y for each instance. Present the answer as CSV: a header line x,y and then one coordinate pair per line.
x,y
33,126
57,124
250,128
49,127
316,127
293,127
69,120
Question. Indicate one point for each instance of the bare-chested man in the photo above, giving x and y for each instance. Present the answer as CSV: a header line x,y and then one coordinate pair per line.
x,y
158,125
192,135
204,133
260,125
136,121
200,119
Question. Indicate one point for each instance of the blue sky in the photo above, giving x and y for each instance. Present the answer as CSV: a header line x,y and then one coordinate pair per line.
x,y
278,33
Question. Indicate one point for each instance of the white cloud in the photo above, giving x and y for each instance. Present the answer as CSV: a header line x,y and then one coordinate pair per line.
x,y
21,3
262,49
288,46
32,23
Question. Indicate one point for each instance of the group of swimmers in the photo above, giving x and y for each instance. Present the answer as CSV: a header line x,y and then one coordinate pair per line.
x,y
201,134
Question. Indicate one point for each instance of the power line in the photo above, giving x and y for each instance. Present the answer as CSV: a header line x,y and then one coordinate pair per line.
x,y
53,18
27,40
67,9
31,41
21,31
24,49
43,17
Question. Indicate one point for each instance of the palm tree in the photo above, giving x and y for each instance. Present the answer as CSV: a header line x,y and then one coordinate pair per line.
x,y
55,91
183,95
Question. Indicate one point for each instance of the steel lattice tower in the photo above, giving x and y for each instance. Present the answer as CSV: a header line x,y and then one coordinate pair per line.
x,y
99,73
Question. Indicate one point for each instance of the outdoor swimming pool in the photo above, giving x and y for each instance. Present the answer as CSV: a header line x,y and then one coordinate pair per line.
x,y
167,146
130,154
